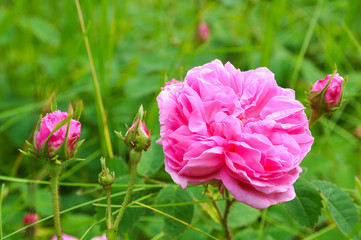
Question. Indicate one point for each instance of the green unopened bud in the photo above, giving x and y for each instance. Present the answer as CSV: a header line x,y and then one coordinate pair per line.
x,y
105,178
137,136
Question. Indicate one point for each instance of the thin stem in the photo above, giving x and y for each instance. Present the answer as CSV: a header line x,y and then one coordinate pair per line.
x,y
214,203
134,157
108,214
54,172
225,226
99,101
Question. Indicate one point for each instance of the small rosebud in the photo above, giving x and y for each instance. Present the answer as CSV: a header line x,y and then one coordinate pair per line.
x,y
30,218
56,135
326,96
138,136
203,32
105,178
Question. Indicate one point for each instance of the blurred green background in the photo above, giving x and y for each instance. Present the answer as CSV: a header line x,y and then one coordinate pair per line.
x,y
135,45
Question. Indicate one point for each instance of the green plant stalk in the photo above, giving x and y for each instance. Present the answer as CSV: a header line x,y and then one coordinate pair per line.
x,y
100,107
54,172
108,212
225,217
134,157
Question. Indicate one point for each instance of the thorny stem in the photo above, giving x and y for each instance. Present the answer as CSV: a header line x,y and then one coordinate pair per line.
x,y
134,158
108,215
54,172
225,216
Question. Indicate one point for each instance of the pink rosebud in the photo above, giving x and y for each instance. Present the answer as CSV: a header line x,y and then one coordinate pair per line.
x,y
325,96
65,237
203,31
333,91
236,130
30,218
100,238
48,123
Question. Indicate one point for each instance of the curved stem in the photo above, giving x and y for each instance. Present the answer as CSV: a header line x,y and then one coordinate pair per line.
x,y
134,157
225,226
54,172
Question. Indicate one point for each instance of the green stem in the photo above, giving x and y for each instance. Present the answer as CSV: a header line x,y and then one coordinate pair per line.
x,y
134,158
108,214
54,171
225,217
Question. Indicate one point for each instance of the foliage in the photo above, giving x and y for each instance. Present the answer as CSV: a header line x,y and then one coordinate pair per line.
x,y
135,44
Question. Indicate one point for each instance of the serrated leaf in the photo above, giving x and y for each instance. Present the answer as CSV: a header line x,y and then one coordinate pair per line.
x,y
306,207
169,195
152,159
341,207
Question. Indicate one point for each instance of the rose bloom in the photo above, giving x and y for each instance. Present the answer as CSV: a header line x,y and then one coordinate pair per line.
x,y
30,218
48,123
334,90
235,130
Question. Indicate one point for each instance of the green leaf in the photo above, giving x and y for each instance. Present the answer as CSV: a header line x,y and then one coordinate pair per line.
x,y
341,206
152,159
78,110
242,215
306,207
53,105
169,195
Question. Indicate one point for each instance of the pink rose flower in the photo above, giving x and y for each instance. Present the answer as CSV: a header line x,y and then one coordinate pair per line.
x,y
65,237
203,31
48,123
30,218
233,129
334,90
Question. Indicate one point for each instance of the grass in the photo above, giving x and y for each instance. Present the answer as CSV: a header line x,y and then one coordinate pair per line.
x,y
134,45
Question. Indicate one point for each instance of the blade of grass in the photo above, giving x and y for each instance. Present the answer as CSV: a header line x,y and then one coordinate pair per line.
x,y
104,132
115,212
317,234
305,44
173,204
1,210
77,184
277,8
79,165
351,37
176,219
68,210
